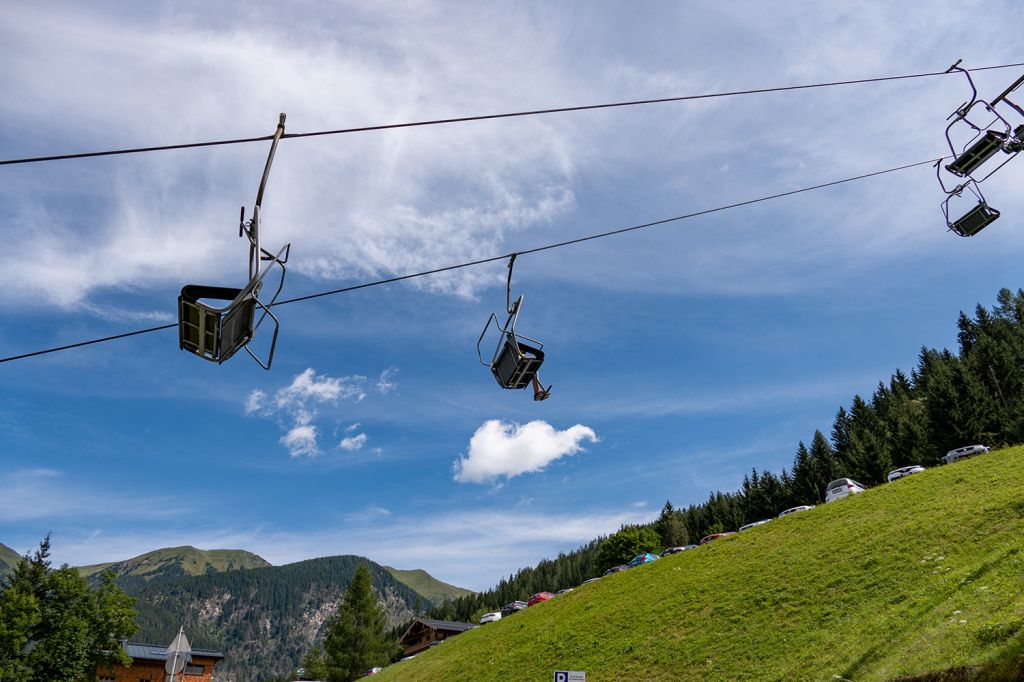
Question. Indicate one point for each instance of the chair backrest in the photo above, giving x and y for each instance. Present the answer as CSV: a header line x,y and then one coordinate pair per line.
x,y
516,364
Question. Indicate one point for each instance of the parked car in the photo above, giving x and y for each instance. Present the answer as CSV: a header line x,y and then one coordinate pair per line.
x,y
617,569
539,597
590,580
674,550
755,523
842,487
904,471
794,510
512,607
714,536
490,617
965,451
568,589
641,559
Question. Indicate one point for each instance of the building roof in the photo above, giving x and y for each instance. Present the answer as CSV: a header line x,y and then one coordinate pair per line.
x,y
157,652
445,625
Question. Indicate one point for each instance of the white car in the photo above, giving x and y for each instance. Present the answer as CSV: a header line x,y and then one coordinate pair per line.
x,y
755,523
965,451
904,471
793,510
490,617
840,488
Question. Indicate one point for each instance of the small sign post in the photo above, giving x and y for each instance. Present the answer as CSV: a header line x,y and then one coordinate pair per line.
x,y
177,653
570,676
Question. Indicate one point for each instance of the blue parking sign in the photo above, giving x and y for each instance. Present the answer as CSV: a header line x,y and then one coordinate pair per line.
x,y
570,676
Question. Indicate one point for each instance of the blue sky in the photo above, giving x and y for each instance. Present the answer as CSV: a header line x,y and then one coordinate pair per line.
x,y
680,356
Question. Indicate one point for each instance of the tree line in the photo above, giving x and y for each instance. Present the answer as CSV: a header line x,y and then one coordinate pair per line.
x,y
975,395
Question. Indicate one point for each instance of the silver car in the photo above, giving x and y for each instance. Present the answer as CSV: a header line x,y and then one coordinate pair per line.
x,y
904,471
840,488
965,451
793,510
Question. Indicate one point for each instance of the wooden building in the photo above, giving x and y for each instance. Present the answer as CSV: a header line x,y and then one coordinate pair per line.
x,y
424,632
148,662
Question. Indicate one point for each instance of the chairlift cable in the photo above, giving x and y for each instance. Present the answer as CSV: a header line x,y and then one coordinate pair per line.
x,y
538,249
486,117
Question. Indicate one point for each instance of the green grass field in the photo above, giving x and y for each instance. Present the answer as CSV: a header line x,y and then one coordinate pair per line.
x,y
922,578
427,585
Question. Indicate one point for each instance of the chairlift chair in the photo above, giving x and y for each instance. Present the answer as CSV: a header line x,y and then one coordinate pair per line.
x,y
216,334
517,358
995,135
977,218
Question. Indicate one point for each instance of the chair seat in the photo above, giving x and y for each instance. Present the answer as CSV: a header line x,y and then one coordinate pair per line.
x,y
214,334
975,220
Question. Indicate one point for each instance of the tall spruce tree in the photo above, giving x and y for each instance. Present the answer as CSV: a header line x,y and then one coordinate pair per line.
x,y
670,527
357,638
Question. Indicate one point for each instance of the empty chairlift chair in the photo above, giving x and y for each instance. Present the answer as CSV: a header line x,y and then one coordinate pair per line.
x,y
217,333
977,218
986,140
517,358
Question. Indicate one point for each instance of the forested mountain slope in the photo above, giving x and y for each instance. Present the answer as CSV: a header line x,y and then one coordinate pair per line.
x,y
263,619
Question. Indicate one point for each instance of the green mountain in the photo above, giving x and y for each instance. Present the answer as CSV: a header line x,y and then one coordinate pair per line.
x,y
920,579
8,559
427,585
263,619
177,562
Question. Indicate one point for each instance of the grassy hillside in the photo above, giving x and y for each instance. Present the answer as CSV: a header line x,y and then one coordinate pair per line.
x,y
427,585
179,562
922,575
8,559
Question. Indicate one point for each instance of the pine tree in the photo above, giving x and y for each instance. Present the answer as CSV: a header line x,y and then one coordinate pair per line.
x,y
804,488
823,460
357,636
670,527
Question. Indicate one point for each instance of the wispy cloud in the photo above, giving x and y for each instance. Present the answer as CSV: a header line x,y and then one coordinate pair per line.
x,y
499,449
472,548
301,401
353,442
31,494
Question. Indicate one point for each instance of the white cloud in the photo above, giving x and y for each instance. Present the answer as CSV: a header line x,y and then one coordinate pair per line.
x,y
409,200
255,401
384,383
301,440
353,442
307,387
498,449
301,402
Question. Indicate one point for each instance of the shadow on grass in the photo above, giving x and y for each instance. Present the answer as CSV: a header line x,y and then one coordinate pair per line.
x,y
876,652
1008,664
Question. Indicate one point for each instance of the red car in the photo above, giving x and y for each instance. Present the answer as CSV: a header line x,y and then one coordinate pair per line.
x,y
539,597
708,538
